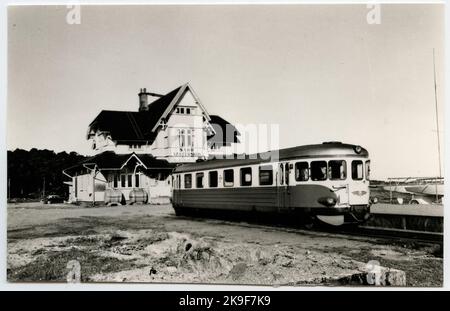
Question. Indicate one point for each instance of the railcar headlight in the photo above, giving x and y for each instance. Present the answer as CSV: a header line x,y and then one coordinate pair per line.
x,y
327,201
358,149
331,201
374,200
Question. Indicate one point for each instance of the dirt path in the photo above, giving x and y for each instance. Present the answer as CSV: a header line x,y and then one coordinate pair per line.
x,y
150,244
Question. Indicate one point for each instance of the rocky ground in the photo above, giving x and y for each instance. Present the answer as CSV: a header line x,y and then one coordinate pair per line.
x,y
149,243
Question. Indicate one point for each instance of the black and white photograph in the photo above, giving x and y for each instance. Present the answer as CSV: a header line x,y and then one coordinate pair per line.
x,y
270,145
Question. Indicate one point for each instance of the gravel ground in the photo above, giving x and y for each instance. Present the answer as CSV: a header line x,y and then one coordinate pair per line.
x,y
148,243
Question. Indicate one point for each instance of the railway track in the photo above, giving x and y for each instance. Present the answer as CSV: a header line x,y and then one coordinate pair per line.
x,y
418,236
354,233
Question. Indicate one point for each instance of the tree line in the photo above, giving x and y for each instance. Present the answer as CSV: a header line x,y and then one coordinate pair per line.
x,y
31,172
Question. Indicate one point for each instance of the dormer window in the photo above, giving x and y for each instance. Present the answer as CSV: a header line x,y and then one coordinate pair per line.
x,y
184,110
135,147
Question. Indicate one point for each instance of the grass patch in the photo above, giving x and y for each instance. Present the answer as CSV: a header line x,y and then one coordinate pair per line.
x,y
84,226
53,266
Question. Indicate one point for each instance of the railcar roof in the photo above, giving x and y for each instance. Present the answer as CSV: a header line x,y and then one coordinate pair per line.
x,y
332,149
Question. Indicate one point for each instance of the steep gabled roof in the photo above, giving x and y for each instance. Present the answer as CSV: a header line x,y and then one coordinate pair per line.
x,y
225,132
133,125
109,160
181,91
123,125
141,126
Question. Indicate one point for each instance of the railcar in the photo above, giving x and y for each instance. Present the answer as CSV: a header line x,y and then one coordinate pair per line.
x,y
328,182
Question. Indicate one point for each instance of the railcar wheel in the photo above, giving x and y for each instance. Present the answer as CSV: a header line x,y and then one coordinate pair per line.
x,y
178,211
309,225
309,222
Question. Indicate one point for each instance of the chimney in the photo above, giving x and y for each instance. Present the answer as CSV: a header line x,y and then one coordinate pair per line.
x,y
143,98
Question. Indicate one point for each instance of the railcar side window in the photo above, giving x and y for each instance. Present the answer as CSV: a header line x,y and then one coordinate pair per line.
x,y
187,181
337,169
286,173
357,170
122,181
213,179
318,170
281,174
228,178
246,176
199,180
301,171
368,170
265,175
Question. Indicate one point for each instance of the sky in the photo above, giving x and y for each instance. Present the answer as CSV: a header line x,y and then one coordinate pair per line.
x,y
319,72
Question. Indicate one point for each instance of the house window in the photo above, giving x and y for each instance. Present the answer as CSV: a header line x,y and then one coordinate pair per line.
x,y
136,181
135,147
189,139
130,181
184,110
199,180
246,176
213,179
182,138
228,178
301,171
186,140
115,181
122,181
265,175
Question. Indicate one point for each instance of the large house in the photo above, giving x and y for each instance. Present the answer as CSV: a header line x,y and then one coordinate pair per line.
x,y
136,151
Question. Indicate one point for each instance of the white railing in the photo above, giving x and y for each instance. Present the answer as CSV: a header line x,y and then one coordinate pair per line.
x,y
187,152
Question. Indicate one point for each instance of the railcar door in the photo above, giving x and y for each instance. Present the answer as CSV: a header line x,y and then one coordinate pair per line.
x,y
338,179
359,185
282,186
176,188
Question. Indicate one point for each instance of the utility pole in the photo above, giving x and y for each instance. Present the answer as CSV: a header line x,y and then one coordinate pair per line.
x,y
437,126
93,189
